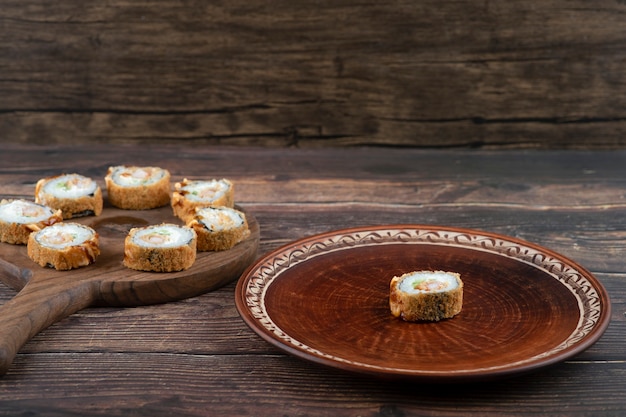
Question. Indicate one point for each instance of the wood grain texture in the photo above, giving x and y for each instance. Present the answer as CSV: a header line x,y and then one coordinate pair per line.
x,y
197,385
197,357
497,74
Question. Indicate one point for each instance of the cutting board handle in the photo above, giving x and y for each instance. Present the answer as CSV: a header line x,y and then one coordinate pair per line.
x,y
35,307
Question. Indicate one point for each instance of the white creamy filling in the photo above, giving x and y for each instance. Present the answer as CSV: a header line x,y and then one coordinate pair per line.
x,y
163,236
218,219
70,186
136,176
63,235
24,212
205,191
422,282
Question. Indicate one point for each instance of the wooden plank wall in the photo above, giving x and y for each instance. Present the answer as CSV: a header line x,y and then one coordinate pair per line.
x,y
430,73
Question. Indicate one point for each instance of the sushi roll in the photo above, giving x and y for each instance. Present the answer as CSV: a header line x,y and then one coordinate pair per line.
x,y
138,188
219,228
189,195
75,195
19,218
160,248
64,246
426,295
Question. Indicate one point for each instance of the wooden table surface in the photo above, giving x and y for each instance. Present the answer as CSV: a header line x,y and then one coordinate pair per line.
x,y
197,357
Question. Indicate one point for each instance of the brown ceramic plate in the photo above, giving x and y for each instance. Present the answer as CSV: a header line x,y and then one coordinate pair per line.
x,y
325,299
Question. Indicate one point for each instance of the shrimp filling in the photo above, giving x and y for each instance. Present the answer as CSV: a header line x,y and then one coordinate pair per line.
x,y
60,236
217,219
428,282
70,186
20,211
205,191
136,176
163,236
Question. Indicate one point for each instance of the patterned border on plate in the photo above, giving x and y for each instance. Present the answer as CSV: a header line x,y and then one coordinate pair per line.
x,y
261,278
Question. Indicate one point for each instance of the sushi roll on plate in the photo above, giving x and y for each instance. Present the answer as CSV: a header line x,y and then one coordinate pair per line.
x,y
219,228
75,195
189,195
160,248
426,295
19,218
137,188
64,246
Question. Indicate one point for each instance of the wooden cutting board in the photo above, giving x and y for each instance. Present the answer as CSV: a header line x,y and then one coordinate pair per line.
x,y
46,295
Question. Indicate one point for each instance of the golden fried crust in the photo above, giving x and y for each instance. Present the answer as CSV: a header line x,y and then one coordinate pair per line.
x,y
64,259
17,233
432,306
218,240
158,259
71,207
185,209
143,197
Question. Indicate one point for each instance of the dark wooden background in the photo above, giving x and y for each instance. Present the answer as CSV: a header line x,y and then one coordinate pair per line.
x,y
465,73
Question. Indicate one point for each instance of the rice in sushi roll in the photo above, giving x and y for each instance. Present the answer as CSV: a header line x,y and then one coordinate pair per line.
x,y
75,195
219,228
19,218
138,188
64,246
160,248
426,295
189,195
